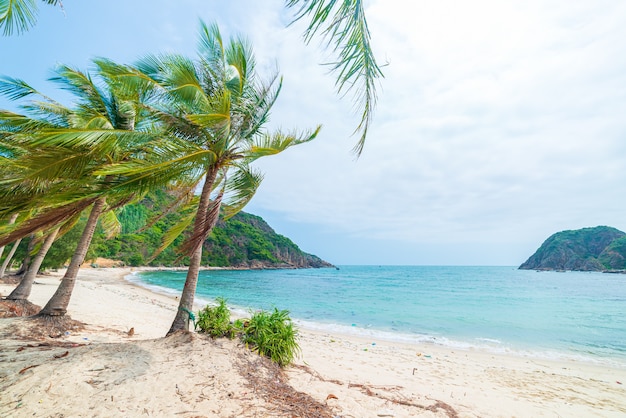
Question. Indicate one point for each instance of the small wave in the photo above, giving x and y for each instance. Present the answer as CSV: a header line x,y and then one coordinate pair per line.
x,y
489,340
135,279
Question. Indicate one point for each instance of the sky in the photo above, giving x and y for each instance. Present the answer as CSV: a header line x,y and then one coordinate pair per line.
x,y
498,122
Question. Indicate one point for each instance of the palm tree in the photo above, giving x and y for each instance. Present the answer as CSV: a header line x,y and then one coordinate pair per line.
x,y
341,23
214,110
9,257
65,147
22,290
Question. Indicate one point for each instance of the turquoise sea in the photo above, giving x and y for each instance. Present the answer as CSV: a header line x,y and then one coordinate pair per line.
x,y
541,314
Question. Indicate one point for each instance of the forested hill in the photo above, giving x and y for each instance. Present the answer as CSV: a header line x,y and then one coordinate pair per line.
x,y
589,249
244,241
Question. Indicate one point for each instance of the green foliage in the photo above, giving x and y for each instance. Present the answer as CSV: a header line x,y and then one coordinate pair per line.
x,y
215,320
63,248
587,249
273,335
614,255
242,241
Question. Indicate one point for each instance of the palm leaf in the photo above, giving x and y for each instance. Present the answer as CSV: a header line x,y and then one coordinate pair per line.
x,y
240,189
82,86
185,202
211,51
110,224
14,88
172,233
20,15
201,231
17,16
46,219
344,26
278,142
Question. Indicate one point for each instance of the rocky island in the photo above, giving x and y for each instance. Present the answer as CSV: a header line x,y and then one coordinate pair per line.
x,y
600,248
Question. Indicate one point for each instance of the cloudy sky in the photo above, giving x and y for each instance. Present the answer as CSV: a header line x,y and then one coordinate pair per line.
x,y
498,122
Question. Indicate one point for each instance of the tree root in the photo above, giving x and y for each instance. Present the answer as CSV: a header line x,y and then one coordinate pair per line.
x,y
42,327
13,308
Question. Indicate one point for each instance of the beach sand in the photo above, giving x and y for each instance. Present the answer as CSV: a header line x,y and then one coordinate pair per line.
x,y
102,371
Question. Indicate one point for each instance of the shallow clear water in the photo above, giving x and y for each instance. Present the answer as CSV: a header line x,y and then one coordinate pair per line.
x,y
569,314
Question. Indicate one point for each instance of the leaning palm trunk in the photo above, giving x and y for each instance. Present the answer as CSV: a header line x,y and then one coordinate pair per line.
x,y
11,222
10,255
22,291
26,262
57,305
203,219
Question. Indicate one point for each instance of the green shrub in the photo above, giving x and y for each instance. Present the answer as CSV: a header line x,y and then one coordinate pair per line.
x,y
273,335
215,320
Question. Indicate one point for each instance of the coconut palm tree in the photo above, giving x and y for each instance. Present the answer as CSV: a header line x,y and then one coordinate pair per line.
x,y
9,257
22,290
214,110
64,148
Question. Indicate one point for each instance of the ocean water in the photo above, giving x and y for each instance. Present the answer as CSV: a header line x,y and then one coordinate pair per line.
x,y
544,314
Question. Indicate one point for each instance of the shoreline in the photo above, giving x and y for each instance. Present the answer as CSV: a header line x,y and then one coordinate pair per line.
x,y
373,334
471,381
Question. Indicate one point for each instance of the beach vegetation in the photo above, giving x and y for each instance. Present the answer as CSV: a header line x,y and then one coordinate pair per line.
x,y
213,111
272,334
166,122
56,152
215,320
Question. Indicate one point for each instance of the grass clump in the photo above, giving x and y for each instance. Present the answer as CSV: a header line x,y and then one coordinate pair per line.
x,y
215,320
271,334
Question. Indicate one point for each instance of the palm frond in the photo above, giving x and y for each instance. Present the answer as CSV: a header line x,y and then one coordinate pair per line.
x,y
239,56
256,105
278,142
185,202
143,175
18,16
211,50
15,89
46,219
344,26
99,142
110,224
202,230
240,189
52,164
82,86
174,232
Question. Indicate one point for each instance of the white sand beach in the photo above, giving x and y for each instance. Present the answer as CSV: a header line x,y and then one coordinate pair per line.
x,y
104,371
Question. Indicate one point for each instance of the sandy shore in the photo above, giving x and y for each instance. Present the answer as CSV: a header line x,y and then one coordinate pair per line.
x,y
102,371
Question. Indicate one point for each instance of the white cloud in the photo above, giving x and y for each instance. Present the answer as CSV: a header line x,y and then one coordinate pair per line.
x,y
496,120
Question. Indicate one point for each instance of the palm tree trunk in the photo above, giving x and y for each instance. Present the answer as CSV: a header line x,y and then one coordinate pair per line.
x,y
185,306
26,262
7,260
11,222
57,305
22,291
